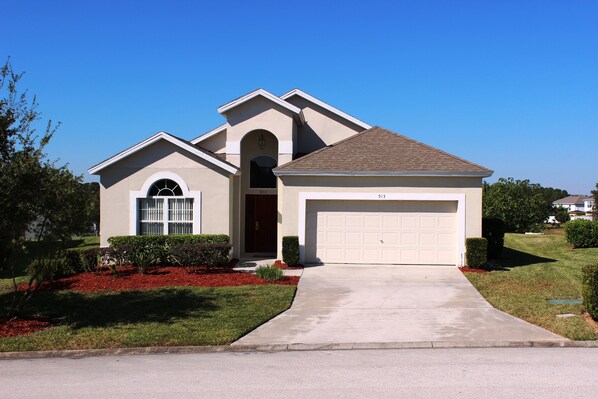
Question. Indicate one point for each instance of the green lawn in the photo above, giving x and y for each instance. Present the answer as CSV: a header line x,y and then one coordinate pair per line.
x,y
24,259
535,268
168,316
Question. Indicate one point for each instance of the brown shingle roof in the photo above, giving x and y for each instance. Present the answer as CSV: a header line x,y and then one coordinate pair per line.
x,y
380,151
572,200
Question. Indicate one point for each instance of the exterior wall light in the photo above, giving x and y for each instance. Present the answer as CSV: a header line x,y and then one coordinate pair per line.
x,y
261,142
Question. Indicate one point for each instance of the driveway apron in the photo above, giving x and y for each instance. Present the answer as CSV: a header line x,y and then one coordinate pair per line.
x,y
390,303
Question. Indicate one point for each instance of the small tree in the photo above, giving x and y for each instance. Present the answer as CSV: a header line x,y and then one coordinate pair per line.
x,y
519,203
561,214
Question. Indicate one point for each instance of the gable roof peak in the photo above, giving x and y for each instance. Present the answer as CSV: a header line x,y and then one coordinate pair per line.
x,y
223,109
183,144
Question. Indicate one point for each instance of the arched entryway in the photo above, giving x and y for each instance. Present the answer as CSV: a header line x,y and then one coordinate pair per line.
x,y
259,155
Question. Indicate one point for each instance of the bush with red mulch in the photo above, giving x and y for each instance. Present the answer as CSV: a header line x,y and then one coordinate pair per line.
x,y
16,327
129,279
284,266
466,269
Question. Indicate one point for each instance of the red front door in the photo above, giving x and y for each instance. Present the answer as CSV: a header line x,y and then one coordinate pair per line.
x,y
260,223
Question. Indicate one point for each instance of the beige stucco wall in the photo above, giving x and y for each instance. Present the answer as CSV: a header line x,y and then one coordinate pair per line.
x,y
258,114
216,143
289,188
120,179
322,127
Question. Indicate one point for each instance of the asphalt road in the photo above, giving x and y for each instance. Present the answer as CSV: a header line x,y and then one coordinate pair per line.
x,y
415,373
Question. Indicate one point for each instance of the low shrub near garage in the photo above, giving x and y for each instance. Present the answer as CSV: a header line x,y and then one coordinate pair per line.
x,y
269,272
493,229
589,289
476,252
582,233
290,250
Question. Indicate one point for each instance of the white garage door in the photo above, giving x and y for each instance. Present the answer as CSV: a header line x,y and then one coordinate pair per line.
x,y
401,232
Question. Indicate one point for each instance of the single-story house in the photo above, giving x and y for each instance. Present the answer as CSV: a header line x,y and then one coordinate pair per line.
x,y
296,166
578,206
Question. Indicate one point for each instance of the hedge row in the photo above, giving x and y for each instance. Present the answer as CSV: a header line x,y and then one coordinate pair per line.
x,y
159,247
169,240
582,233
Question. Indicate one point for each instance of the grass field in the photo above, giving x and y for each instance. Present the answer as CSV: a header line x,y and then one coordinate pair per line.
x,y
535,268
159,317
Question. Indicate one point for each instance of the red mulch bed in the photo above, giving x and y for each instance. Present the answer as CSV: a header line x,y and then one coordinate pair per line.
x,y
466,269
284,266
130,279
16,327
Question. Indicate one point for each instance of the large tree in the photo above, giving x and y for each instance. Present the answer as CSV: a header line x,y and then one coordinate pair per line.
x,y
37,195
519,203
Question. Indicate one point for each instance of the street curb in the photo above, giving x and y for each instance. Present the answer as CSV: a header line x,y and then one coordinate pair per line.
x,y
81,353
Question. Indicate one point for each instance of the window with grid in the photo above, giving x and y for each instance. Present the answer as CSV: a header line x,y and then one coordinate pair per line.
x,y
165,210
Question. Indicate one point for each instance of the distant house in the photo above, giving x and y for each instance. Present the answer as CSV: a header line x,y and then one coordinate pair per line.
x,y
578,206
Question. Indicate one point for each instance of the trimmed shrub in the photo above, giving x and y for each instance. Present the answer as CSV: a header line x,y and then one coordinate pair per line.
x,y
493,229
476,252
193,256
158,247
582,233
589,289
269,272
290,250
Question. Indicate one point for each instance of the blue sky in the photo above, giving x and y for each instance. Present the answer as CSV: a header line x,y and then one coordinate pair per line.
x,y
511,85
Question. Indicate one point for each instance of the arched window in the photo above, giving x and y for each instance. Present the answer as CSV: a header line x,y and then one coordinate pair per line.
x,y
165,210
165,188
260,172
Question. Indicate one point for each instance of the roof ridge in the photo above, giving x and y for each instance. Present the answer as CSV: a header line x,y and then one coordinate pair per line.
x,y
326,148
438,149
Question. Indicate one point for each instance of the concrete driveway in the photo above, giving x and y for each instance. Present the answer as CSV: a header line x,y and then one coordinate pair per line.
x,y
379,303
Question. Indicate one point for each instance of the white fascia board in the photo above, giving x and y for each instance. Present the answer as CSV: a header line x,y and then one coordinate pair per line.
x,y
162,136
209,134
380,174
259,92
297,92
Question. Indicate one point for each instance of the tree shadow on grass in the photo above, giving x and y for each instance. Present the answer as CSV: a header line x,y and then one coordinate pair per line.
x,y
126,307
512,258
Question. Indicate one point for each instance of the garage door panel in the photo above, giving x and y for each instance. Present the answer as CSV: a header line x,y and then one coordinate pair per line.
x,y
408,239
409,222
390,238
353,238
427,222
404,232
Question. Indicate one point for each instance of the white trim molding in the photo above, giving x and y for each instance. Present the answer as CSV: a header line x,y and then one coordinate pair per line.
x,y
328,107
135,195
259,92
171,139
384,196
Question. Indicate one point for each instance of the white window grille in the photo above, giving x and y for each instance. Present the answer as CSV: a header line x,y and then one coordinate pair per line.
x,y
165,210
